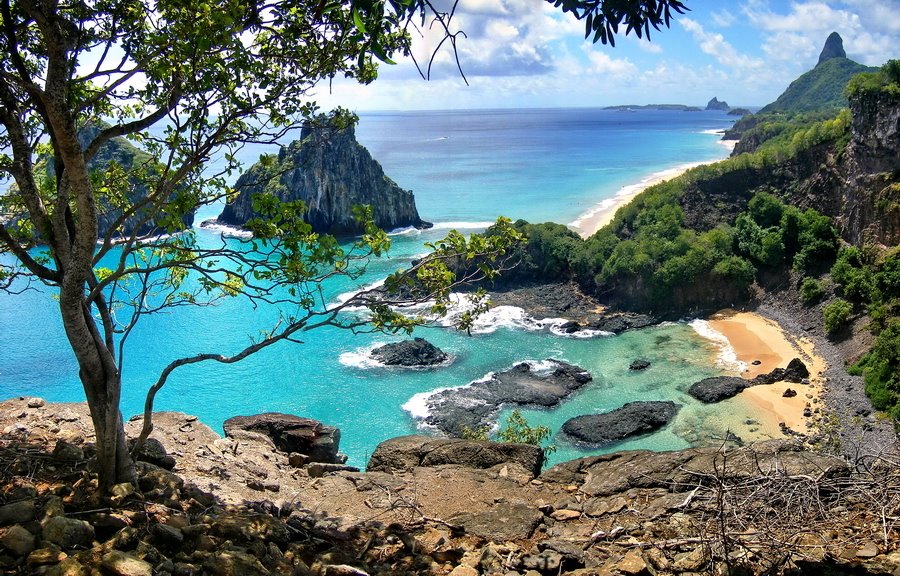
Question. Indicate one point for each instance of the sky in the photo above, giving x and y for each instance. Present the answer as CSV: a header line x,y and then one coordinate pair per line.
x,y
527,54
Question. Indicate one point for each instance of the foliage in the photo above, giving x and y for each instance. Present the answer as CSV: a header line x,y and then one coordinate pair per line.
x,y
602,19
881,369
821,88
811,291
516,431
836,314
884,80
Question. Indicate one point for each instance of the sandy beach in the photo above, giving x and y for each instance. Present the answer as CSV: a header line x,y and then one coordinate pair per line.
x,y
603,213
755,338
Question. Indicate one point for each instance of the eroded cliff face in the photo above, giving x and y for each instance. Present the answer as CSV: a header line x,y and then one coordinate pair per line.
x,y
331,172
870,191
858,185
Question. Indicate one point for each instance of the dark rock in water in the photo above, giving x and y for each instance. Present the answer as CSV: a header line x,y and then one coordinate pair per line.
x,y
717,388
834,48
415,352
716,104
454,410
292,433
639,364
632,419
739,112
331,172
789,393
795,372
570,327
624,321
407,452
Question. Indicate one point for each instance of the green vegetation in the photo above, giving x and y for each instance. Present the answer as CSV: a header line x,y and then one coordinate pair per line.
x,y
516,431
837,312
822,88
884,80
811,291
869,278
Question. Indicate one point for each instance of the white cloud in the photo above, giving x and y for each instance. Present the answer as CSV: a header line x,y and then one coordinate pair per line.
x,y
715,45
723,18
868,27
601,63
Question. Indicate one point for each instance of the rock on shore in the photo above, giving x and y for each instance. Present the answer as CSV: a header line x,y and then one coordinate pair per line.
x,y
526,384
289,433
630,420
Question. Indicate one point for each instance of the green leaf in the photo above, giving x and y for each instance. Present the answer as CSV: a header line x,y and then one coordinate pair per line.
x,y
358,22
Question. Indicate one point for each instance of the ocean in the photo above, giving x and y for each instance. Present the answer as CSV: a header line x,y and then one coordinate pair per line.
x,y
465,168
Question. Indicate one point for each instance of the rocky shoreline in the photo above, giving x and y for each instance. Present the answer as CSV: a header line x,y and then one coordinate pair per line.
x,y
240,506
848,422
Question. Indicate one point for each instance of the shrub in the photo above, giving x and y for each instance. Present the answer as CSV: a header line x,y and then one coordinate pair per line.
x,y
811,291
836,315
518,431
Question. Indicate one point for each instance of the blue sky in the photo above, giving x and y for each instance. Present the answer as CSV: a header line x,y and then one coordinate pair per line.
x,y
524,53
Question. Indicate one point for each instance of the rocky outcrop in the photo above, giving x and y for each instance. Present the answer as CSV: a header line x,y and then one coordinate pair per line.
x,y
411,353
796,372
331,173
632,419
834,48
738,112
408,452
290,434
635,512
545,384
717,388
716,104
639,364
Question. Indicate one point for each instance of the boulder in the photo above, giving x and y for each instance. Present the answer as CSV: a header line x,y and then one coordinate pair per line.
x,y
415,352
16,512
717,388
155,453
118,563
407,452
639,364
544,384
796,372
68,532
632,419
18,540
292,433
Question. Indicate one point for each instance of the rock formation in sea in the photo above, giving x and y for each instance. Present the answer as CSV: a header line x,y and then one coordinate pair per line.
x,y
632,419
544,385
331,172
411,353
716,104
290,434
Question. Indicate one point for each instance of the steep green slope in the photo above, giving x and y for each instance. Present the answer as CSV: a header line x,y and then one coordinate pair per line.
x,y
821,88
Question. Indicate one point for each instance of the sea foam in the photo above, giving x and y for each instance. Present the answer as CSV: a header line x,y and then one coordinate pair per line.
x,y
727,358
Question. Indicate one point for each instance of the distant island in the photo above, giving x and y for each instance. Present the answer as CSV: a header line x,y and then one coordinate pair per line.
x,y
627,107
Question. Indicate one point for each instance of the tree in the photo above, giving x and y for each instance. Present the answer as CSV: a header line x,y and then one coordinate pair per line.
x,y
186,81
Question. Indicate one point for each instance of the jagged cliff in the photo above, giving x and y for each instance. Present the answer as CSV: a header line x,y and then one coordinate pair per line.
x,y
331,172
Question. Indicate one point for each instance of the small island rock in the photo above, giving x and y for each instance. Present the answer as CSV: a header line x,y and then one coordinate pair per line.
x,y
717,388
415,352
632,419
716,104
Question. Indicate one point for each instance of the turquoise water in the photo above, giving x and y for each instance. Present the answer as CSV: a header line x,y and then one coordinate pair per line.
x,y
465,168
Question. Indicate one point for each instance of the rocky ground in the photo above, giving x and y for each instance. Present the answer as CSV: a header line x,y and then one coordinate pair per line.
x,y
240,506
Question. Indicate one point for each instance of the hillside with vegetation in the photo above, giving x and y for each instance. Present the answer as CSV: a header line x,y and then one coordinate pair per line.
x,y
812,206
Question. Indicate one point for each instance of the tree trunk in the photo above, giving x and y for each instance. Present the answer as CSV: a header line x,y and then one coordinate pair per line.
x,y
102,384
